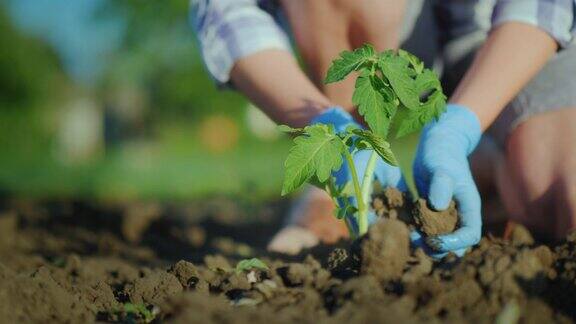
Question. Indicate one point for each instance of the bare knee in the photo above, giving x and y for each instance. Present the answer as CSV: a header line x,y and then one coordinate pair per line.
x,y
565,205
528,167
540,162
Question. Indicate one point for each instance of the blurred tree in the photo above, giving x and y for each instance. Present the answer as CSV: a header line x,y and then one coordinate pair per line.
x,y
31,79
159,54
28,66
58,96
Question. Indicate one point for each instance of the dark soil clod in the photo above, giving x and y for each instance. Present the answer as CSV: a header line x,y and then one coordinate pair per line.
x,y
385,250
431,222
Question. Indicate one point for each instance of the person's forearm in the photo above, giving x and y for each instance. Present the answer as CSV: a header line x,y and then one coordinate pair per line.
x,y
323,29
274,82
512,55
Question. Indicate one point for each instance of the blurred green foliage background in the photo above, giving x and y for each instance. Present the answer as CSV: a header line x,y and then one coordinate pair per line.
x,y
109,99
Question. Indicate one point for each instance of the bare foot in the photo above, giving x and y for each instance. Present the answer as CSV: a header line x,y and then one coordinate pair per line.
x,y
310,222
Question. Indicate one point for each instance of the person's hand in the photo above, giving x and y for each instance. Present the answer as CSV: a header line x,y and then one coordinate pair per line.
x,y
387,175
442,172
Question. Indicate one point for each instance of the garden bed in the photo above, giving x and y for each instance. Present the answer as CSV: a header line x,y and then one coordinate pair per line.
x,y
70,262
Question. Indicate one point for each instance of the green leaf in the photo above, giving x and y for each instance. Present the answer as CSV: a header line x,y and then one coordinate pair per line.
x,y
408,122
345,211
347,190
362,144
372,106
350,61
138,310
248,264
428,84
411,121
335,191
434,105
396,69
379,144
417,65
289,130
316,153
388,94
315,182
433,108
339,195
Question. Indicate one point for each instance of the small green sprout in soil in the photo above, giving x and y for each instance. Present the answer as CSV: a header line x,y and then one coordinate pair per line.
x,y
249,264
135,313
395,95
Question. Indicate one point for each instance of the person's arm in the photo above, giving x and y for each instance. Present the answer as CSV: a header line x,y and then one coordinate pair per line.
x,y
273,81
512,55
323,29
230,30
243,46
525,34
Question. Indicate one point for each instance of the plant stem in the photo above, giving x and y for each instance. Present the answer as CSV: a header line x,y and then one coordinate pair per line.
x,y
362,211
368,176
353,235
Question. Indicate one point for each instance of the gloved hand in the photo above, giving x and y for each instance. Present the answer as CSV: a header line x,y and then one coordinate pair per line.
x,y
389,176
442,172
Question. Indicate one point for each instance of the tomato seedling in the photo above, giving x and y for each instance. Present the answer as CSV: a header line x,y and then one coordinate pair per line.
x,y
249,264
132,313
396,95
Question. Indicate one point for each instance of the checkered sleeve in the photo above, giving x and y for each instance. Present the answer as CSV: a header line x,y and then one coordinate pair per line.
x,y
228,30
556,17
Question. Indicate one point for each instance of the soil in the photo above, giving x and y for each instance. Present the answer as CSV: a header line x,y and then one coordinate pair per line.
x,y
70,262
431,222
396,205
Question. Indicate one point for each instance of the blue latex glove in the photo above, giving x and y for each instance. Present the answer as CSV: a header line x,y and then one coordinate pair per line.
x,y
442,172
389,176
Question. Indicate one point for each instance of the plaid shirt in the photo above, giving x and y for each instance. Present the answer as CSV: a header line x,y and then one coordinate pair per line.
x,y
228,30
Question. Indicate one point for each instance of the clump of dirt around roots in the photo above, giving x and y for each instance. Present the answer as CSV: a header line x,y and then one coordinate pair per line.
x,y
76,262
431,222
393,204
